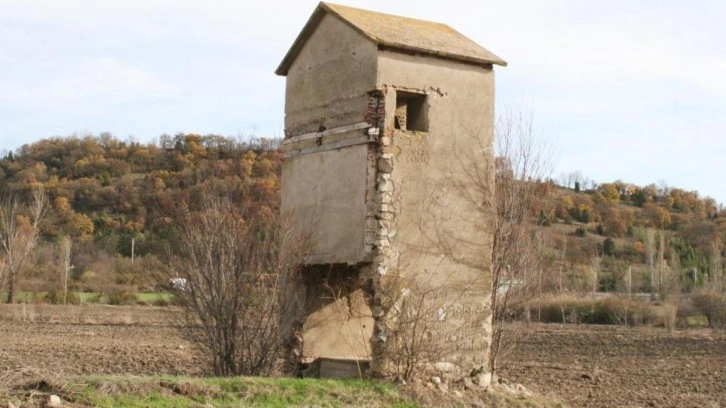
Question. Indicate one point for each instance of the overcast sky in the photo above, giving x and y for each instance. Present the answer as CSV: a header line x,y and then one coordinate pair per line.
x,y
631,90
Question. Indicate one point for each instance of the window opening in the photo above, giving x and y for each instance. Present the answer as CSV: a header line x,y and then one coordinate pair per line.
x,y
411,112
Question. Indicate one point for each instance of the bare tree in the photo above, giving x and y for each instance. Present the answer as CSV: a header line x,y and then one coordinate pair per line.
x,y
662,279
524,161
19,231
650,257
717,282
65,260
232,272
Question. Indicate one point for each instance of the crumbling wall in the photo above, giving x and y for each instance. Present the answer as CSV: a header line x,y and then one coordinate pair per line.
x,y
338,321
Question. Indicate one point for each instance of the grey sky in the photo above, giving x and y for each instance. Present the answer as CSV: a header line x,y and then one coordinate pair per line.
x,y
632,90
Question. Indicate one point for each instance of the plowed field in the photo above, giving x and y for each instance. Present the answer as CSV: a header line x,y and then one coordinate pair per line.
x,y
585,366
613,366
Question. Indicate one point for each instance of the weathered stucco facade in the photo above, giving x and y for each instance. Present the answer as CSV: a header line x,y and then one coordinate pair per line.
x,y
388,177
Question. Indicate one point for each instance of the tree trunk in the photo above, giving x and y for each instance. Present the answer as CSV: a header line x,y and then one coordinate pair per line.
x,y
11,288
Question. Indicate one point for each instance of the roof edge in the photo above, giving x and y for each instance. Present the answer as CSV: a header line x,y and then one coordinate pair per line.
x,y
297,45
347,22
402,49
395,47
323,8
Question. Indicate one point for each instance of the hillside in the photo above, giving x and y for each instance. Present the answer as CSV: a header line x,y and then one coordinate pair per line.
x,y
109,196
628,235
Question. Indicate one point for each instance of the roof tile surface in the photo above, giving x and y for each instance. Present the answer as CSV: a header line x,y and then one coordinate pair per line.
x,y
414,35
397,33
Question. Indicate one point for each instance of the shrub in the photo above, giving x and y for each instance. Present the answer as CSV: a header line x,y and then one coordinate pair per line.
x,y
544,218
122,297
241,275
626,311
609,310
600,230
55,297
564,309
669,316
608,246
161,302
712,304
580,231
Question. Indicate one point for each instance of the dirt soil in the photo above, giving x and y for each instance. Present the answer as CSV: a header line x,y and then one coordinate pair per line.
x,y
584,366
614,366
92,339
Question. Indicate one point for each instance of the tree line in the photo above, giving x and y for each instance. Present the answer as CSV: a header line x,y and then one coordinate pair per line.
x,y
112,197
115,198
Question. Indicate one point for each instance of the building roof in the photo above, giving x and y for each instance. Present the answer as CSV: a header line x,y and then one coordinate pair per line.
x,y
396,33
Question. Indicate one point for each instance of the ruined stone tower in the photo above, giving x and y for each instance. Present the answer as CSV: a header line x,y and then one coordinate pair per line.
x,y
389,177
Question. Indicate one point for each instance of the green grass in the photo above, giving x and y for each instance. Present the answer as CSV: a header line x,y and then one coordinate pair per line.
x,y
696,321
114,391
187,392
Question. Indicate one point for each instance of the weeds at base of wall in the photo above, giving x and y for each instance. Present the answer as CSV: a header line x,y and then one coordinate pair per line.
x,y
417,345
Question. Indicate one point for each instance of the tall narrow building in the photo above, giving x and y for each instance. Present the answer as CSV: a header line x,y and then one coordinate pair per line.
x,y
389,179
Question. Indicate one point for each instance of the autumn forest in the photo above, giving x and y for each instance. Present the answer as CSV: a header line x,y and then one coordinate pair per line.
x,y
116,201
